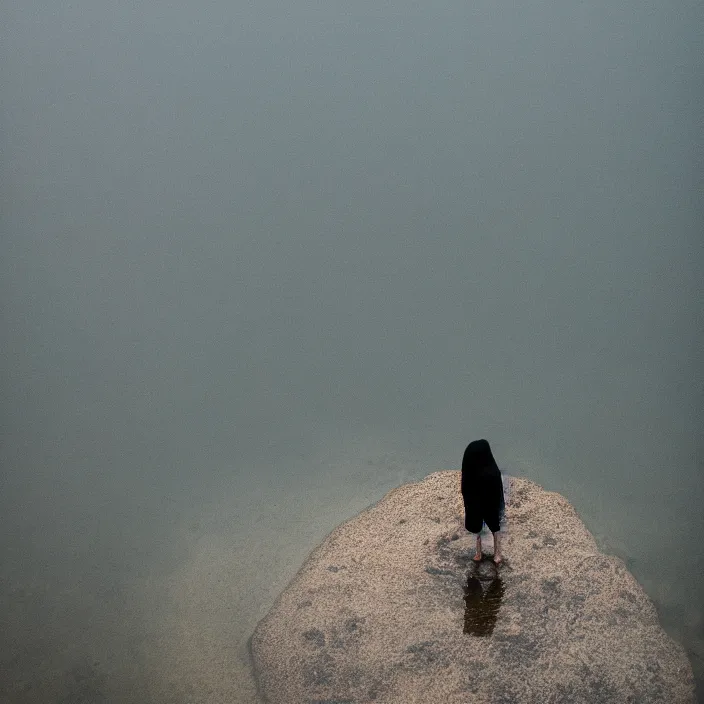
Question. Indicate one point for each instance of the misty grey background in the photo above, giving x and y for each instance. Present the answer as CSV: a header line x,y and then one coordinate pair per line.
x,y
263,261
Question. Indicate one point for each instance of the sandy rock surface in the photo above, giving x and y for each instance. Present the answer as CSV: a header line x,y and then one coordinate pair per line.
x,y
391,608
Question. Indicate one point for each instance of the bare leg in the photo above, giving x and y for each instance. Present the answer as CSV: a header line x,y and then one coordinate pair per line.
x,y
498,557
478,553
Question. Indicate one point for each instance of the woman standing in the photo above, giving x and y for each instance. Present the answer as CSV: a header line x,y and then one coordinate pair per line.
x,y
483,494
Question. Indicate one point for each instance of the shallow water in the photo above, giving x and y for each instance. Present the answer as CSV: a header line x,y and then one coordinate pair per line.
x,y
179,631
261,264
482,599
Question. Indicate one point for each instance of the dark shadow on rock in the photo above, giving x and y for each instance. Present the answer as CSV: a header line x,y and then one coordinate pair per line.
x,y
482,599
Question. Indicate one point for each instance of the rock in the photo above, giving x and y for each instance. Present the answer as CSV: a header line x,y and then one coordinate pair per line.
x,y
407,616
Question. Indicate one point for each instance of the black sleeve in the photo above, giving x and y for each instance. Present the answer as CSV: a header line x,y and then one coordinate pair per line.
x,y
500,490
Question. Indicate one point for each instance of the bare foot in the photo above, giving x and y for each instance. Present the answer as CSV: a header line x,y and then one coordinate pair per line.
x,y
478,550
498,559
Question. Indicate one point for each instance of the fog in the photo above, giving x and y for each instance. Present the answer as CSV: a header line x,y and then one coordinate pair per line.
x,y
263,262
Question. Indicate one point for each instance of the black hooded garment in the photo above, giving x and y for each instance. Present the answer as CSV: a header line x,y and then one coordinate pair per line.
x,y
482,488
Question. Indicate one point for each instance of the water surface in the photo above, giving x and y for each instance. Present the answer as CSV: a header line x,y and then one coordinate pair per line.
x,y
261,263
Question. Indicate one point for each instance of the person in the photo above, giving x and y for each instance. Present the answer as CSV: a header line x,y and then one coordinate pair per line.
x,y
483,495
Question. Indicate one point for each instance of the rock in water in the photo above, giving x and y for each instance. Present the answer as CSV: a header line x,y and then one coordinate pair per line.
x,y
390,608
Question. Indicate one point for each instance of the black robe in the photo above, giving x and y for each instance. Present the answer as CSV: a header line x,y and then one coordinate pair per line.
x,y
482,488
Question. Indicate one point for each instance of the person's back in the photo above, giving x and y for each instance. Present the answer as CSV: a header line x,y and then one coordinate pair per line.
x,y
483,494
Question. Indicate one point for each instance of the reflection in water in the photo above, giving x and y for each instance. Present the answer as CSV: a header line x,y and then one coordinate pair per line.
x,y
482,598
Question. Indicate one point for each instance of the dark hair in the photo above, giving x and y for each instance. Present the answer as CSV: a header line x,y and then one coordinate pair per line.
x,y
482,488
478,461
